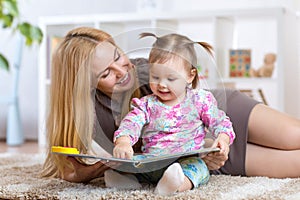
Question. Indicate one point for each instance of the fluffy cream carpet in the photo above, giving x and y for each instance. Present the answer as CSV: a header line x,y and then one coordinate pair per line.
x,y
19,179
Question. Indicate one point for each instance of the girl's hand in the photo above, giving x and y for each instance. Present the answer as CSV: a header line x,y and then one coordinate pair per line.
x,y
83,173
123,149
217,159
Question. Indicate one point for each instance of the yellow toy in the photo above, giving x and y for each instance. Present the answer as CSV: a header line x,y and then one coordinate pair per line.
x,y
66,150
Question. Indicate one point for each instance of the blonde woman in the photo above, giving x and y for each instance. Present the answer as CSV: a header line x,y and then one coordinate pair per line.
x,y
88,66
76,72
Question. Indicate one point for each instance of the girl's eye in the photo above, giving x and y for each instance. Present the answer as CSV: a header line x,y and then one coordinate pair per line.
x,y
171,79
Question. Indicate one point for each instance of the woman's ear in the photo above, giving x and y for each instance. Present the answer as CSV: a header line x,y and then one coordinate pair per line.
x,y
192,75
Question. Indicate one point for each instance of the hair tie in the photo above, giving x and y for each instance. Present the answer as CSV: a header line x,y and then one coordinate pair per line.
x,y
142,35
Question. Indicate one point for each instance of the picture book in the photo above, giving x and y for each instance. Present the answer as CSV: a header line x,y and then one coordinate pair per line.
x,y
138,161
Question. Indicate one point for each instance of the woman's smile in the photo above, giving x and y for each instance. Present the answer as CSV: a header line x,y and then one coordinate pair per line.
x,y
125,80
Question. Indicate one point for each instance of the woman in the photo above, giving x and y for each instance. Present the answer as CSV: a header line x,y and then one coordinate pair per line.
x,y
267,140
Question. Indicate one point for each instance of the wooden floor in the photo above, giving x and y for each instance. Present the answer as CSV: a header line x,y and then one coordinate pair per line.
x,y
28,147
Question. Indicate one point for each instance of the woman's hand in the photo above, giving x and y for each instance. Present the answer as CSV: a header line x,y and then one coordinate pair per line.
x,y
217,159
83,173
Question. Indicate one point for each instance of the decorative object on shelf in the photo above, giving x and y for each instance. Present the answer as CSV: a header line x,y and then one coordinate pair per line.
x,y
256,94
202,72
267,69
239,62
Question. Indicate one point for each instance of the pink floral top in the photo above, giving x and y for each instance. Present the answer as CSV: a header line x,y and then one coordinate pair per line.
x,y
171,129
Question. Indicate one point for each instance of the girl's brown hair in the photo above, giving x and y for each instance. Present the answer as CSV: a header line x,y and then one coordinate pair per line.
x,y
168,46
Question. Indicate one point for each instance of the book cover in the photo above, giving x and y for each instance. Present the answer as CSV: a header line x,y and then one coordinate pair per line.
x,y
140,162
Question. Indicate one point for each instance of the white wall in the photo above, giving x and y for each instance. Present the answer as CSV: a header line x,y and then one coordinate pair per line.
x,y
31,10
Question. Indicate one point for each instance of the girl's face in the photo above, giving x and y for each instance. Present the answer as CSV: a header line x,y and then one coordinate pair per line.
x,y
168,81
114,72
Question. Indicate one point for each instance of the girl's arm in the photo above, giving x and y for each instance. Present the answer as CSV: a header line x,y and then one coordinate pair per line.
x,y
130,129
215,119
221,127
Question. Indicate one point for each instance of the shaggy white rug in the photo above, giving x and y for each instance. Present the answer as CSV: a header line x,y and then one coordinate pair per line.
x,y
19,179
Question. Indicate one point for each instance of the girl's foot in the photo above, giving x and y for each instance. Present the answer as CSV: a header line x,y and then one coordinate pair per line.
x,y
171,180
114,179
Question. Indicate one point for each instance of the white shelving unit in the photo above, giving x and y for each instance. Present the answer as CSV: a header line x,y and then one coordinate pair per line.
x,y
262,30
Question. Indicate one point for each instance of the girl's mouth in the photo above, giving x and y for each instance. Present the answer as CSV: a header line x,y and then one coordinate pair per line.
x,y
163,92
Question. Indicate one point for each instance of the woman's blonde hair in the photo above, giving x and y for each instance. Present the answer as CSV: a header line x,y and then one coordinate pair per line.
x,y
176,45
71,112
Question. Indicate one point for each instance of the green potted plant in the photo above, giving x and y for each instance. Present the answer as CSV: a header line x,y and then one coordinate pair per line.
x,y
25,33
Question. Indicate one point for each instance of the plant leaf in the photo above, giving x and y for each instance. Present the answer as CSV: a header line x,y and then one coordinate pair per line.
x,y
36,34
7,20
24,29
11,7
3,62
31,33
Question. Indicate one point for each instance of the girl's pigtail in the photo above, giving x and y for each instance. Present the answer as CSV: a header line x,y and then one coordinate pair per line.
x,y
207,47
142,35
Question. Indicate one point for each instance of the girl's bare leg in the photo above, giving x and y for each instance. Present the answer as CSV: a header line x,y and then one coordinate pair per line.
x,y
274,144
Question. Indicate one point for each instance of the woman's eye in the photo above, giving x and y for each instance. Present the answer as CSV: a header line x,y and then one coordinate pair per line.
x,y
105,74
117,55
155,77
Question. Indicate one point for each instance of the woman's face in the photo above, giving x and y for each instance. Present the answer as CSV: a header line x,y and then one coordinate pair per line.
x,y
113,70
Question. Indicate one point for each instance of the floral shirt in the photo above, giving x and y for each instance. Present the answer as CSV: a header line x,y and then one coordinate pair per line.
x,y
171,129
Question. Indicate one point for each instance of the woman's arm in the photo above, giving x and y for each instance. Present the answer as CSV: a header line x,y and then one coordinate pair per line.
x,y
81,173
215,160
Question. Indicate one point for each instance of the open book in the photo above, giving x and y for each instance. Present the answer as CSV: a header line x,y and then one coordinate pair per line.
x,y
139,160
